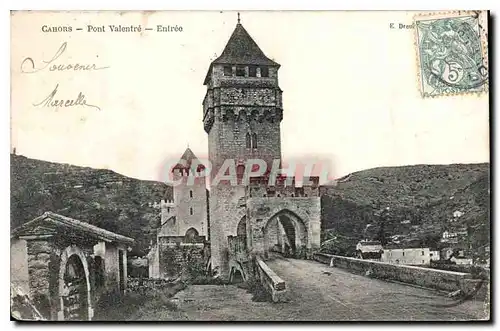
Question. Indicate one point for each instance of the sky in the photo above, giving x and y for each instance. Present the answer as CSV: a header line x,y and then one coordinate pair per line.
x,y
350,90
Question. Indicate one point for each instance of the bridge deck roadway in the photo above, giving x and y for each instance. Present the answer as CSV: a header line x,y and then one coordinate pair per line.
x,y
340,295
321,293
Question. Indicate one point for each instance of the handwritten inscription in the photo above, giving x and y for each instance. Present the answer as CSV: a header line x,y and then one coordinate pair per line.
x,y
28,67
50,101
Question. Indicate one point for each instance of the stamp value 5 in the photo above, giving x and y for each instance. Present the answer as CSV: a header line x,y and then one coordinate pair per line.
x,y
452,53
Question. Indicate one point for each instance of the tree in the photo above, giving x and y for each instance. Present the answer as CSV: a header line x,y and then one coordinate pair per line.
x,y
382,220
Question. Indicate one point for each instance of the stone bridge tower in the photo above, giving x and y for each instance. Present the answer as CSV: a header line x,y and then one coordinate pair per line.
x,y
242,115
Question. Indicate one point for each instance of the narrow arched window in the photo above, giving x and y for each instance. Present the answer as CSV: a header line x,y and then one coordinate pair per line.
x,y
254,140
191,211
249,141
190,194
240,170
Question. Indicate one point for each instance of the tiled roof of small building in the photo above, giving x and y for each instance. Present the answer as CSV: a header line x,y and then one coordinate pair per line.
x,y
404,246
69,224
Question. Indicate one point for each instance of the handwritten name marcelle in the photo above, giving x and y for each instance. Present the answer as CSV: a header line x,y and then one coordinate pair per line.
x,y
52,100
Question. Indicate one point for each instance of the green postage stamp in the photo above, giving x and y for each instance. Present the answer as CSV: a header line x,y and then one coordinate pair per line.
x,y
452,52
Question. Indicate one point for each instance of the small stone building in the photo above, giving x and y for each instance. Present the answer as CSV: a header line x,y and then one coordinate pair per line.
x,y
66,265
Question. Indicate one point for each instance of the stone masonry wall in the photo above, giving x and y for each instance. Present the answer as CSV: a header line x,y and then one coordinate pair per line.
x,y
174,260
189,198
112,266
227,140
19,276
225,214
43,270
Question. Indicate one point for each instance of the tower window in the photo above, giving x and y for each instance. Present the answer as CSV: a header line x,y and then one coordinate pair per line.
x,y
249,143
228,71
190,194
254,140
252,71
240,71
240,170
191,211
264,72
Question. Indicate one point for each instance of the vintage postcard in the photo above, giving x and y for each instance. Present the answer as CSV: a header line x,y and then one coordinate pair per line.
x,y
250,166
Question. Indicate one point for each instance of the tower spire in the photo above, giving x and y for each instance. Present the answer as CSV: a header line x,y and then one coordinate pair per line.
x,y
238,17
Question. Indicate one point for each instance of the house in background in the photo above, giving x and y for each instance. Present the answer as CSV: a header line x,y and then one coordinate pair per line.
x,y
435,255
66,265
369,249
406,256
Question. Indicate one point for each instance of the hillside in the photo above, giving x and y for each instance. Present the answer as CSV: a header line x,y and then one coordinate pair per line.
x,y
421,201
100,197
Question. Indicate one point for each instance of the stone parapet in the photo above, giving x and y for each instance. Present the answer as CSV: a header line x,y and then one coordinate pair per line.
x,y
426,277
272,282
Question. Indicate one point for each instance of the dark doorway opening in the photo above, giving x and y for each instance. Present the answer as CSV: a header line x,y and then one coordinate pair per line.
x,y
99,272
237,277
75,298
290,234
121,270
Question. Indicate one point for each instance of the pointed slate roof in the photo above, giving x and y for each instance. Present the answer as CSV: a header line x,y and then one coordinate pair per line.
x,y
241,49
188,157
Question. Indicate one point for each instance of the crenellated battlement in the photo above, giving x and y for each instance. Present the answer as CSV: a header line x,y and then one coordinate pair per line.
x,y
283,187
187,177
161,204
167,203
168,209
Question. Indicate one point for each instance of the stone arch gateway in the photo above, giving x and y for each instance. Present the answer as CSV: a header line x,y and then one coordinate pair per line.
x,y
287,225
191,235
74,286
286,233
